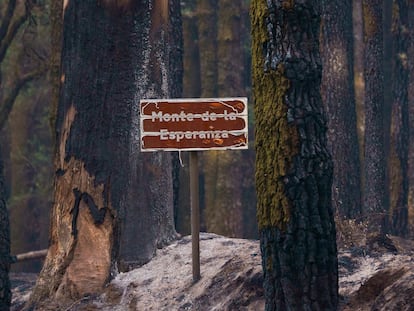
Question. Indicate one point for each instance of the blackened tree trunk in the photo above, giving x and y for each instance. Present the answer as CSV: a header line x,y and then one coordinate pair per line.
x,y
339,99
56,21
113,205
374,195
398,157
410,63
5,292
293,164
358,43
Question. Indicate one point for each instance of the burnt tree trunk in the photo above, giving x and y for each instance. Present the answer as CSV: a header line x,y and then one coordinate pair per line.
x,y
398,158
293,164
374,194
339,99
410,63
5,292
113,205
358,43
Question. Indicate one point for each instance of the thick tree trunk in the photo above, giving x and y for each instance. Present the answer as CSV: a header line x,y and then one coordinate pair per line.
x,y
374,195
293,164
398,158
5,291
339,99
113,205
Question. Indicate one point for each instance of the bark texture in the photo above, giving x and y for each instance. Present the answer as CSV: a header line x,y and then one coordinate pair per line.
x,y
358,43
339,99
374,194
56,20
5,292
113,205
410,63
398,158
293,164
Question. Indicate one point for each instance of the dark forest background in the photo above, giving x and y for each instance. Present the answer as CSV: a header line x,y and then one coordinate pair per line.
x,y
217,62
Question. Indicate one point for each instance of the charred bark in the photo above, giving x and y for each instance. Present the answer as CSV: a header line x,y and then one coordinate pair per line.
x,y
398,158
374,195
5,260
113,205
410,63
293,164
339,99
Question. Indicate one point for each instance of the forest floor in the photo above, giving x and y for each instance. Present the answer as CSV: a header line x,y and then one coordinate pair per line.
x,y
379,277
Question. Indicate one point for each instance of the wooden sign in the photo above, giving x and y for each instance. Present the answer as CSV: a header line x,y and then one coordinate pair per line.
x,y
194,124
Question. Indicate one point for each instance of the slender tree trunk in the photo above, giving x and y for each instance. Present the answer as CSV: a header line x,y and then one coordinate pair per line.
x,y
113,205
293,164
375,194
339,99
5,291
410,62
398,157
56,19
358,27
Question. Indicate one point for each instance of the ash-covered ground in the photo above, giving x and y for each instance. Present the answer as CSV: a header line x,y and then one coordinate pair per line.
x,y
378,277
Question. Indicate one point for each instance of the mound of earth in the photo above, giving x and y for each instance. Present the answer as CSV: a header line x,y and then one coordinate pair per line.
x,y
231,279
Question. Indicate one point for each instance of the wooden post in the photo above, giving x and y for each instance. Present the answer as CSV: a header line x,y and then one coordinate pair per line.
x,y
195,215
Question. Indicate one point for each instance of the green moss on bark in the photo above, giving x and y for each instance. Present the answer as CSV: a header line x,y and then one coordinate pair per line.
x,y
276,140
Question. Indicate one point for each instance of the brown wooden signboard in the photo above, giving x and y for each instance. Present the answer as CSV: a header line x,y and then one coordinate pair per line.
x,y
193,124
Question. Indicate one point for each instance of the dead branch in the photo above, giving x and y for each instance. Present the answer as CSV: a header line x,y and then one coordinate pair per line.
x,y
30,256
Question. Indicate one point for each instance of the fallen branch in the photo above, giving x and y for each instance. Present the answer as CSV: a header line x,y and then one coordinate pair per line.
x,y
29,256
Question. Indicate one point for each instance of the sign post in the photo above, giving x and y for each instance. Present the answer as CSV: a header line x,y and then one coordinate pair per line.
x,y
195,215
194,125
